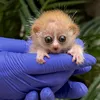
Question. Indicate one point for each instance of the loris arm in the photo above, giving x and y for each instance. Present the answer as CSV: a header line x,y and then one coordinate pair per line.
x,y
77,52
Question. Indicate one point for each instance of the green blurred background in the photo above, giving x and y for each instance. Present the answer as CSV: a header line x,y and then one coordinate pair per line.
x,y
18,14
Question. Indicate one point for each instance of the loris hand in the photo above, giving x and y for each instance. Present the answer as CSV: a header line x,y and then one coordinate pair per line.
x,y
20,73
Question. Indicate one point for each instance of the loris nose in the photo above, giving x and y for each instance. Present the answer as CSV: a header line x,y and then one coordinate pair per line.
x,y
55,48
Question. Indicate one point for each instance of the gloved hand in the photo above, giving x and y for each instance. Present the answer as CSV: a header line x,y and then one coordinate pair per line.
x,y
20,74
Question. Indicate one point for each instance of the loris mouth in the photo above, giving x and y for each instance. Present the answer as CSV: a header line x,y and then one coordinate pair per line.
x,y
55,51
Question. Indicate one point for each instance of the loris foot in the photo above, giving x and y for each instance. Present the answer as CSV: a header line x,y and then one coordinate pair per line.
x,y
77,52
40,55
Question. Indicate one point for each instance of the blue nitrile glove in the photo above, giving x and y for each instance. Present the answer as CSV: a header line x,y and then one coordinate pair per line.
x,y
70,89
20,74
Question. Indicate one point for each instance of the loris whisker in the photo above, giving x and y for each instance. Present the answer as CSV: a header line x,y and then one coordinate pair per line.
x,y
74,14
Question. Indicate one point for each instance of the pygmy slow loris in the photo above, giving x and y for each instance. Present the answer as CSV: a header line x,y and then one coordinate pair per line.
x,y
55,32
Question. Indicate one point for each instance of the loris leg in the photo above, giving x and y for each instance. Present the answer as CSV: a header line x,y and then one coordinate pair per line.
x,y
77,52
40,55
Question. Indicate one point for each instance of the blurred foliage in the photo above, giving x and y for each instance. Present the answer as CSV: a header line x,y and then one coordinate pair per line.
x,y
9,20
90,34
15,13
94,90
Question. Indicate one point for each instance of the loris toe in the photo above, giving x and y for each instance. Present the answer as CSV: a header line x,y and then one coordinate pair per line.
x,y
40,61
80,60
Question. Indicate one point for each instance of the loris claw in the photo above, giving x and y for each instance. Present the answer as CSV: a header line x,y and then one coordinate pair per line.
x,y
77,52
55,32
40,56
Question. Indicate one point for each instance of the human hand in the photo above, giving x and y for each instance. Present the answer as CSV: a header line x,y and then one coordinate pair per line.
x,y
71,89
21,74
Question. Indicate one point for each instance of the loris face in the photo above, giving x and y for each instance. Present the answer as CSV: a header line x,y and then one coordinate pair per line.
x,y
54,43
56,39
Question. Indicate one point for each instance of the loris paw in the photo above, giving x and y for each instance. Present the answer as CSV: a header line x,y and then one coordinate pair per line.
x,y
77,54
40,56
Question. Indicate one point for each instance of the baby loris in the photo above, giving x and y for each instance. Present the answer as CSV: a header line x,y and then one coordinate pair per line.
x,y
55,32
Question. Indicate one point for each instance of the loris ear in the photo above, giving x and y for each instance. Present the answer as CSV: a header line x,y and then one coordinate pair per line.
x,y
35,28
73,29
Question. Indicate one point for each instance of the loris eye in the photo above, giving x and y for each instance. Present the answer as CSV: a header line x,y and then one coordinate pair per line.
x,y
62,38
48,39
